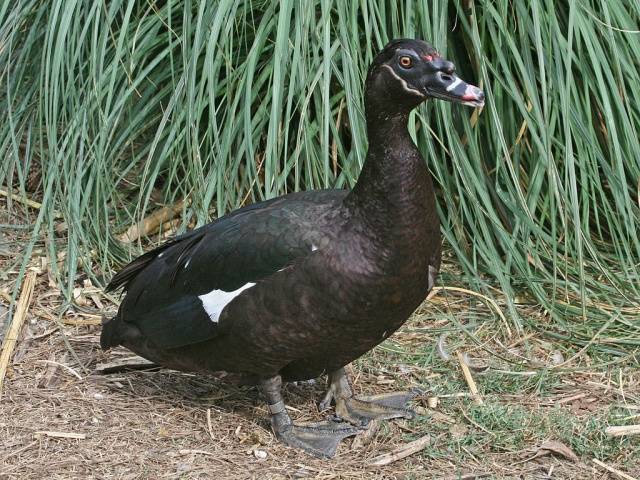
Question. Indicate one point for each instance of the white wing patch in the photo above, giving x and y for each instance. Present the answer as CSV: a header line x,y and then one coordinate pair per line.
x,y
215,301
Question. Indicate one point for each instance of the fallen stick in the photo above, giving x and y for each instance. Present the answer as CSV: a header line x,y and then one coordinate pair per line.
x,y
195,452
95,320
124,364
13,333
25,201
365,438
20,199
615,471
401,452
619,431
48,433
66,367
209,427
571,398
151,223
469,379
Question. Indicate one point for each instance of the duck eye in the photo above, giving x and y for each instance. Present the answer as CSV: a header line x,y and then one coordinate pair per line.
x,y
406,62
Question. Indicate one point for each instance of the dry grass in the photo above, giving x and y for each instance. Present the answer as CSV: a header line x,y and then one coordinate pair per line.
x,y
167,424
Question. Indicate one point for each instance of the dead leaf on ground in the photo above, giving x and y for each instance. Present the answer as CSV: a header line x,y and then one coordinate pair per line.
x,y
557,448
551,447
584,405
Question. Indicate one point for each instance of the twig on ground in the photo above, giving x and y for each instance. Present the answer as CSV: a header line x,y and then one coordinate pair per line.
x,y
125,364
455,395
209,426
441,349
401,452
615,471
88,320
66,367
13,333
25,201
619,431
572,398
473,388
365,438
151,223
49,433
185,451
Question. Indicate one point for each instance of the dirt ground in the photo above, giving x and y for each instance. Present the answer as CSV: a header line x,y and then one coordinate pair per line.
x,y
541,411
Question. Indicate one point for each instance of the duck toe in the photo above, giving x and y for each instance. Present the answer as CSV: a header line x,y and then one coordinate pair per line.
x,y
360,410
319,439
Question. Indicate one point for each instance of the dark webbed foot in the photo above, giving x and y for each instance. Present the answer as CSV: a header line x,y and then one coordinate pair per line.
x,y
320,439
361,410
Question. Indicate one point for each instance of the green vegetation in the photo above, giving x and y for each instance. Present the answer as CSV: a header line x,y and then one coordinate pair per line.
x,y
116,107
515,427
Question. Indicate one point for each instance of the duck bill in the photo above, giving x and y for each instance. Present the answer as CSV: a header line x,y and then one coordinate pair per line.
x,y
452,88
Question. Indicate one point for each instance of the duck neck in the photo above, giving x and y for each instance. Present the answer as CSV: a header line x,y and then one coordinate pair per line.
x,y
394,189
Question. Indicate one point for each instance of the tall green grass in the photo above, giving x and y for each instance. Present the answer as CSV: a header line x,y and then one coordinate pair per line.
x,y
120,105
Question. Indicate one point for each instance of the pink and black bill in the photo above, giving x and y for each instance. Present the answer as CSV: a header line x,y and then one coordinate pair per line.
x,y
425,73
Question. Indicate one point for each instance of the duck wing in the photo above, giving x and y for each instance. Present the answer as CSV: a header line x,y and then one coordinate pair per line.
x,y
175,294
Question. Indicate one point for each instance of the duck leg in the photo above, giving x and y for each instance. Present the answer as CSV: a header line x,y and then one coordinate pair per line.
x,y
320,439
361,410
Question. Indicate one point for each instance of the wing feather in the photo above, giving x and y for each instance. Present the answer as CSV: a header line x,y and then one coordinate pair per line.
x,y
163,286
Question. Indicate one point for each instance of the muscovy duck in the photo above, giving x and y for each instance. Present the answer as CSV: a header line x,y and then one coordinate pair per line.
x,y
298,286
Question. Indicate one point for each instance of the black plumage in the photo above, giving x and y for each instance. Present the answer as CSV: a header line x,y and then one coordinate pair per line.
x,y
317,278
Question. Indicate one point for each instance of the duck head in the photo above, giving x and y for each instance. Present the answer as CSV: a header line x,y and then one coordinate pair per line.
x,y
408,72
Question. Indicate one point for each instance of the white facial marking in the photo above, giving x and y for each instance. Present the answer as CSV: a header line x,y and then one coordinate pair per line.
x,y
215,301
384,335
160,255
313,247
455,83
405,86
187,264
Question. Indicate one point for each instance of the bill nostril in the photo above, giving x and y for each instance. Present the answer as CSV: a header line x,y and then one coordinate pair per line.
x,y
446,78
448,67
